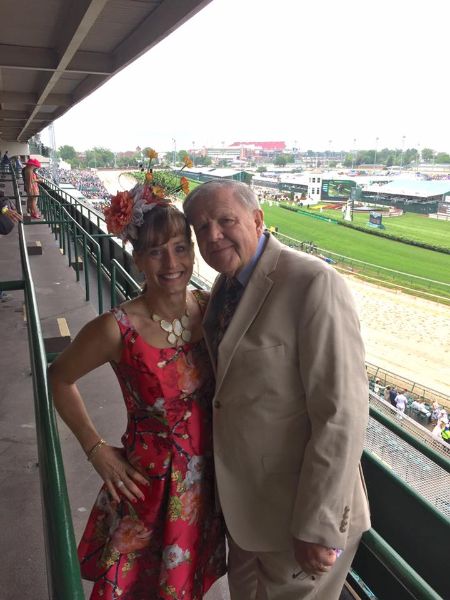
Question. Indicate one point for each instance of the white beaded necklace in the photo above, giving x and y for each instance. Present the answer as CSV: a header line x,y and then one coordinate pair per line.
x,y
178,330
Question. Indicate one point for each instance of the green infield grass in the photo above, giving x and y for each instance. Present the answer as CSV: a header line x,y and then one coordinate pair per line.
x,y
410,226
408,261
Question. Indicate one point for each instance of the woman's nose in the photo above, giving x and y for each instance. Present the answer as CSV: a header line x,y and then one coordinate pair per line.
x,y
170,258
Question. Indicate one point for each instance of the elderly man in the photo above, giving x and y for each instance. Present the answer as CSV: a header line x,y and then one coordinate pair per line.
x,y
290,406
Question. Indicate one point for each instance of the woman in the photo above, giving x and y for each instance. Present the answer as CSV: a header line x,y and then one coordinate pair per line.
x,y
30,182
153,533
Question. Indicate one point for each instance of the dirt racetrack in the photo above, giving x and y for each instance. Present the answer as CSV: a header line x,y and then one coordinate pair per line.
x,y
405,334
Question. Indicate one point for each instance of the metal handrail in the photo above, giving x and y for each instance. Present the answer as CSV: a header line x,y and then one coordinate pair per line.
x,y
398,567
69,230
63,570
116,266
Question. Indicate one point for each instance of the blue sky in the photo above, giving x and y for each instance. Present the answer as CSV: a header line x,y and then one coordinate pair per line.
x,y
316,74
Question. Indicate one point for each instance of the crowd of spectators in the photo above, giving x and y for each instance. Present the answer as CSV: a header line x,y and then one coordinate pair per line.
x,y
408,403
86,181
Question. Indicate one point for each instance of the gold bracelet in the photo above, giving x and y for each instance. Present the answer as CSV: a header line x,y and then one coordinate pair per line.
x,y
101,442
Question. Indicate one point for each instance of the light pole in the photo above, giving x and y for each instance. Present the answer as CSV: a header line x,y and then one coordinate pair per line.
x,y
329,151
353,153
174,150
376,150
401,155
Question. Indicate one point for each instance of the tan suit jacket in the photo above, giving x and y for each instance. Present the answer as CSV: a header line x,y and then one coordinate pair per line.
x,y
290,407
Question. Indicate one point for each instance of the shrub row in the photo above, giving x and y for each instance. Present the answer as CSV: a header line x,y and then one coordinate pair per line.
x,y
395,238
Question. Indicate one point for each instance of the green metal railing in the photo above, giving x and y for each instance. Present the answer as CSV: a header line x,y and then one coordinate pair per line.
x,y
63,571
409,584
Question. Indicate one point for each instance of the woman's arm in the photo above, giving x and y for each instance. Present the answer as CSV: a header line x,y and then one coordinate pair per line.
x,y
97,343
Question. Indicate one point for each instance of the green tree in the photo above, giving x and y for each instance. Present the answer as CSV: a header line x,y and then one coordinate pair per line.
x,y
202,161
427,154
261,169
442,158
99,157
280,160
67,153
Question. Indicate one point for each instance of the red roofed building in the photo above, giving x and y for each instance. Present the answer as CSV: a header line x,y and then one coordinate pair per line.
x,y
266,146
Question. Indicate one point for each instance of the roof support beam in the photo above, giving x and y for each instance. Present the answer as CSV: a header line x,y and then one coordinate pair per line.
x,y
20,115
77,25
46,59
26,98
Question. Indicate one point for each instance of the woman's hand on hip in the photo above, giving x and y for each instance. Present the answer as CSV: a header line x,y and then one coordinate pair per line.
x,y
120,477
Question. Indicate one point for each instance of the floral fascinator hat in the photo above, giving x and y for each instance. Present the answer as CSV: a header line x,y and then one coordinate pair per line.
x,y
125,214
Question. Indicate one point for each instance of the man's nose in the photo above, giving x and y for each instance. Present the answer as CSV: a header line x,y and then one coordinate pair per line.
x,y
215,232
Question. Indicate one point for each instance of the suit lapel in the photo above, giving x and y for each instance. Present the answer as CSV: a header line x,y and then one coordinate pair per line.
x,y
253,298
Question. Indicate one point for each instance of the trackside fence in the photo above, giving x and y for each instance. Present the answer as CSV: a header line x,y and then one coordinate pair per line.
x,y
407,282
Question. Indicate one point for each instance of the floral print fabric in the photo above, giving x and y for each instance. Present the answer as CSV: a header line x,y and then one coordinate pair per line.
x,y
171,544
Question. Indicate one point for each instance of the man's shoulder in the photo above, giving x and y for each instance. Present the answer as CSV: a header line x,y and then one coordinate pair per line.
x,y
302,263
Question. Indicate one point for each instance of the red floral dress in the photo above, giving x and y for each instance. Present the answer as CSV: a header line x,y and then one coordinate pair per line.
x,y
171,544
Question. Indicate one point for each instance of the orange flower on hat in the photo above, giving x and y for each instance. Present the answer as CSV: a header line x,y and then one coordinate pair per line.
x,y
119,214
151,154
187,161
184,183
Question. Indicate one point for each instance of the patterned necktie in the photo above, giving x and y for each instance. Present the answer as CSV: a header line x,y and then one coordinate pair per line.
x,y
232,294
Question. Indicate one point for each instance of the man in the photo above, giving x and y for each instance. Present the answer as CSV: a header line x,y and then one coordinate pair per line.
x,y
290,406
401,401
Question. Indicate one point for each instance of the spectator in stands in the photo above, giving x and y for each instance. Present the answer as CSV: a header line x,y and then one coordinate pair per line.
x,y
401,401
377,386
435,411
438,430
30,181
446,433
387,393
393,395
290,374
8,216
444,416
154,531
18,166
6,161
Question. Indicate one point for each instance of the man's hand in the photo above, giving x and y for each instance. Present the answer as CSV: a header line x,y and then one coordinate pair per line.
x,y
314,559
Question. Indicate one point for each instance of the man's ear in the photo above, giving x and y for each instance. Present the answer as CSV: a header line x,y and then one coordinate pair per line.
x,y
259,220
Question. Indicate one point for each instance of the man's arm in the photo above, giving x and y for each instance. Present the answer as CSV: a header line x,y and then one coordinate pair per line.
x,y
332,368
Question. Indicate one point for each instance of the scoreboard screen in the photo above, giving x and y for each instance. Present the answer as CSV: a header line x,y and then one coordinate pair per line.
x,y
336,189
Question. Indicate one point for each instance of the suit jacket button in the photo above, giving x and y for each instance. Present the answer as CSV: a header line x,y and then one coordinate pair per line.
x,y
217,404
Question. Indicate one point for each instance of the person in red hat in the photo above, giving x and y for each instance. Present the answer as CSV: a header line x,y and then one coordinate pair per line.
x,y
31,186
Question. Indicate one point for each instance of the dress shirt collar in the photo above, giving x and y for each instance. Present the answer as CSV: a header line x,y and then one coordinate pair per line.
x,y
244,275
